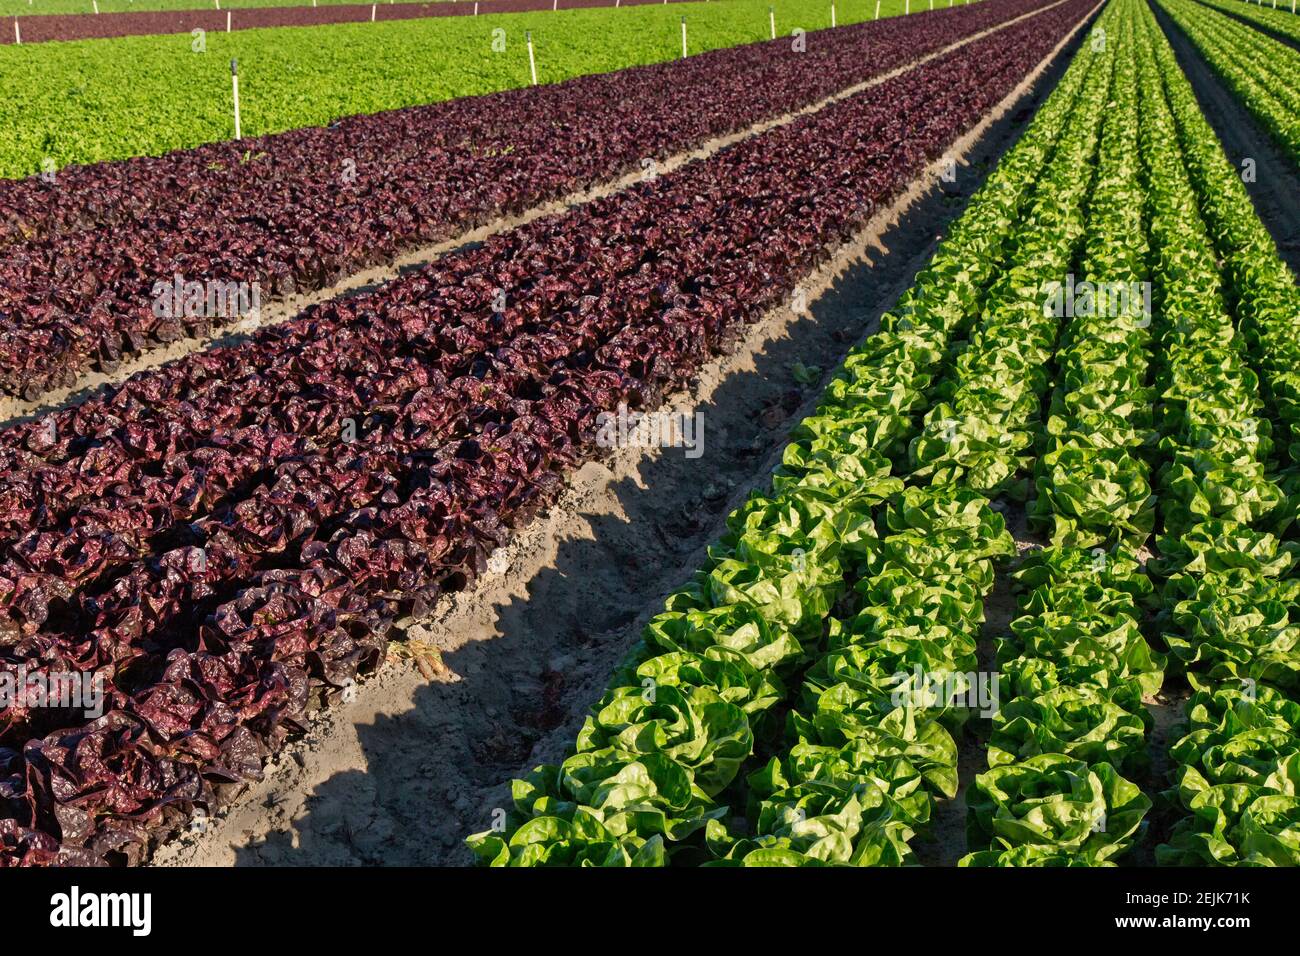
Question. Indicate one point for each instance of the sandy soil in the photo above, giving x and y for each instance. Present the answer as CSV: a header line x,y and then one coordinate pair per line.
x,y
401,774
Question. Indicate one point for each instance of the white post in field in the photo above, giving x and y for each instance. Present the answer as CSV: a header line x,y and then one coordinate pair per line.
x,y
234,86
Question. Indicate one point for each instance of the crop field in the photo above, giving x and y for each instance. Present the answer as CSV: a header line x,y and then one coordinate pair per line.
x,y
707,434
1260,69
89,101
80,26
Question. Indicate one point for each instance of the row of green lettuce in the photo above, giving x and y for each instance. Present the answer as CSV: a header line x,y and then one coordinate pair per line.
x,y
1229,599
1029,808
1277,17
840,580
869,742
1199,423
1262,72
1075,665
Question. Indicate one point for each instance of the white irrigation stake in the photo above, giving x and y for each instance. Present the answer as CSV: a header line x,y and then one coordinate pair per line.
x,y
95,4
234,86
227,21
877,9
18,34
475,7
683,38
832,14
218,3
532,62
374,8
555,5
908,8
771,19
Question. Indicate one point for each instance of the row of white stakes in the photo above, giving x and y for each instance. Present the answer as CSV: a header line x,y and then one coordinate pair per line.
x,y
555,4
528,36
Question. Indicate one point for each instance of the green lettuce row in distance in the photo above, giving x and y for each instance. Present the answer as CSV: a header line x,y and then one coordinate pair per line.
x,y
870,746
1092,483
1262,290
1214,435
982,430
95,100
1263,73
1280,21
